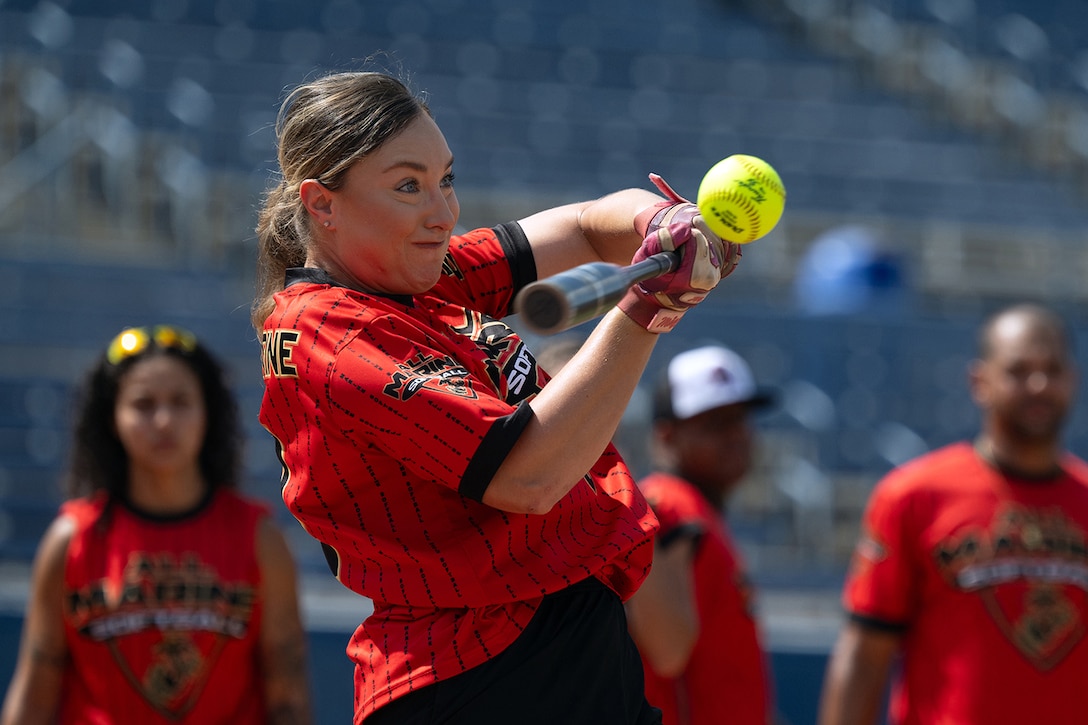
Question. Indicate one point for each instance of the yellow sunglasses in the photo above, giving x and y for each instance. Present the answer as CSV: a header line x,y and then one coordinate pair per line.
x,y
134,340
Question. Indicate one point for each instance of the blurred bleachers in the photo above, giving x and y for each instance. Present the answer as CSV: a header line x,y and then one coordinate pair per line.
x,y
545,98
136,137
1012,69
58,317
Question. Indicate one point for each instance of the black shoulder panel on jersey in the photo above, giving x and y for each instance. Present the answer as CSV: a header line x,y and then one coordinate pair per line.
x,y
518,253
492,452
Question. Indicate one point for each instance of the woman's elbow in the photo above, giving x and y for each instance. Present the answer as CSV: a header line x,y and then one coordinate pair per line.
x,y
522,496
680,653
672,660
669,666
666,646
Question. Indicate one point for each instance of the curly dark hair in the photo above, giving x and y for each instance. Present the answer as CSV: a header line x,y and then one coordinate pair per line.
x,y
99,461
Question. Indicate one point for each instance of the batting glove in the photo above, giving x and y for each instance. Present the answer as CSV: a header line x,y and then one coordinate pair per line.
x,y
678,210
705,259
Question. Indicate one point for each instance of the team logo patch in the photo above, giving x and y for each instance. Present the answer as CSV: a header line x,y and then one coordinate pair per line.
x,y
175,676
165,626
871,550
868,552
443,375
510,366
1042,620
1030,569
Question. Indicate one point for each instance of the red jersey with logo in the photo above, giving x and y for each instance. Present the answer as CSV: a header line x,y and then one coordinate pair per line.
x,y
727,679
987,578
392,415
161,616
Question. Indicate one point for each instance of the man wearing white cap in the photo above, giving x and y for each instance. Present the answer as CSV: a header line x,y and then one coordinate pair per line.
x,y
693,617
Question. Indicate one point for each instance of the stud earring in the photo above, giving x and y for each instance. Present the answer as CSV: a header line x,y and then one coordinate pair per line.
x,y
328,224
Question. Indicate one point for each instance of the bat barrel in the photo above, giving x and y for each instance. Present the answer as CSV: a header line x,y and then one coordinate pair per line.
x,y
567,299
582,293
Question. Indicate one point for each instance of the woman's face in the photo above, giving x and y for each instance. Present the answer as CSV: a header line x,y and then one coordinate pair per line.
x,y
389,224
160,416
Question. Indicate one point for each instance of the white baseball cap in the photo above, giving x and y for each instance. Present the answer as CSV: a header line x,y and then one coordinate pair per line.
x,y
705,378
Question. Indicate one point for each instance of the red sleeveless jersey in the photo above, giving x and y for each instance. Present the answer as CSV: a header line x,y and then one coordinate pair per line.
x,y
727,678
986,577
162,616
392,414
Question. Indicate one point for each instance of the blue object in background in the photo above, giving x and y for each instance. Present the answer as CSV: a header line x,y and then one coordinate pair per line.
x,y
850,270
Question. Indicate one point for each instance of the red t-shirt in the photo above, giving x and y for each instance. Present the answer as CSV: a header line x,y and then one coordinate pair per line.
x,y
986,577
391,415
162,616
726,679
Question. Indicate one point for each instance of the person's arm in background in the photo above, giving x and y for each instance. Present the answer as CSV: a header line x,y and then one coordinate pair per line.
x,y
661,615
857,675
282,638
35,689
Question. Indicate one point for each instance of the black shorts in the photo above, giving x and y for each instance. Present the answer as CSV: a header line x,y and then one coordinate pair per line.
x,y
574,664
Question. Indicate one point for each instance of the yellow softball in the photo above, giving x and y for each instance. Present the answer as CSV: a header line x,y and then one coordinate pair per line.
x,y
741,198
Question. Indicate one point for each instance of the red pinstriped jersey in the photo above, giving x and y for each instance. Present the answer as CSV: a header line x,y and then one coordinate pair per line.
x,y
391,415
162,616
986,578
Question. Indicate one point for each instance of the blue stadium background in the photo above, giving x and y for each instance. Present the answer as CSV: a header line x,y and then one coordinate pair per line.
x,y
934,152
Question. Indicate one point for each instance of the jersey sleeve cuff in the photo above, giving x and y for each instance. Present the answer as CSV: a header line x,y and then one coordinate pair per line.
x,y
497,442
877,624
519,255
689,530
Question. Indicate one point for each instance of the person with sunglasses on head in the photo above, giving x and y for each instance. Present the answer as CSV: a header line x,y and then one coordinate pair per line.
x,y
483,512
159,594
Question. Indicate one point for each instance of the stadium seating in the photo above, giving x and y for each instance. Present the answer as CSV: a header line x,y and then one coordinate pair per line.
x,y
137,135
